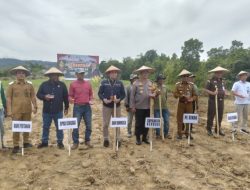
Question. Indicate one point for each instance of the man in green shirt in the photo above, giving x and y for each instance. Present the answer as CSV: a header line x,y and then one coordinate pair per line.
x,y
2,112
162,91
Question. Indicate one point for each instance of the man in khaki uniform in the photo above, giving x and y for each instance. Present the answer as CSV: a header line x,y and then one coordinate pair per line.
x,y
186,94
20,97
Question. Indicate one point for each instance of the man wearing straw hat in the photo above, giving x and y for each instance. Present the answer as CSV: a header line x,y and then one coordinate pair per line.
x,y
140,95
111,91
54,94
215,87
241,91
81,95
132,78
20,98
186,94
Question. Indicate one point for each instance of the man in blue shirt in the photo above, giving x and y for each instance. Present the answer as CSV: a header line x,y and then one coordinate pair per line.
x,y
2,112
111,91
54,94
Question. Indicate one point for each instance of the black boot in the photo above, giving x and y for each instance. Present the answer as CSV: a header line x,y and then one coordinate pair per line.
x,y
145,139
138,140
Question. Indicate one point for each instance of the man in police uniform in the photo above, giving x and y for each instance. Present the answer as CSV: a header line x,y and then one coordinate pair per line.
x,y
186,94
20,97
215,86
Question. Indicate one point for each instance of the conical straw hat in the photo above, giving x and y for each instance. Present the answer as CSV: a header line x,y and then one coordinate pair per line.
x,y
53,70
20,68
145,68
241,73
184,72
218,69
112,68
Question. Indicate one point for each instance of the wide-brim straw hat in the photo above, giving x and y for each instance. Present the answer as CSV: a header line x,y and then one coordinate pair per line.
x,y
112,68
242,73
144,68
184,72
218,69
20,68
53,70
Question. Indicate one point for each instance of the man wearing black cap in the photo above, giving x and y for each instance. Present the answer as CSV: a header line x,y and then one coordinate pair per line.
x,y
132,78
162,91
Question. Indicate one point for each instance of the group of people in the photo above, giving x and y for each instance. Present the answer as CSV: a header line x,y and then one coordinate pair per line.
x,y
143,98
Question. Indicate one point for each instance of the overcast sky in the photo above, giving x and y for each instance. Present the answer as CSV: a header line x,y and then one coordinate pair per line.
x,y
39,29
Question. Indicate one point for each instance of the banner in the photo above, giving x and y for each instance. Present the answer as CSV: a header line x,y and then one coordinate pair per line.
x,y
69,64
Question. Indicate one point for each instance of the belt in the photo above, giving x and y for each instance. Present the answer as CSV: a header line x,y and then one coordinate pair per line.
x,y
81,104
184,102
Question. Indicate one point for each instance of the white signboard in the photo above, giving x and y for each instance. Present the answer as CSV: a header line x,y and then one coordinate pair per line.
x,y
232,117
153,122
67,123
118,122
22,126
190,118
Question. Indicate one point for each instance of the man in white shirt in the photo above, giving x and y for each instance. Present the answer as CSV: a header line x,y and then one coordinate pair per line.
x,y
241,91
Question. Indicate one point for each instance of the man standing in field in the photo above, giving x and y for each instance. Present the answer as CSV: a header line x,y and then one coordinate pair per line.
x,y
132,78
241,92
2,111
20,98
140,95
185,92
111,92
81,95
215,86
54,94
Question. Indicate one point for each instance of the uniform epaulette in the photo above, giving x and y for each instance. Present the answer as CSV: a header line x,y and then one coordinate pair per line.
x,y
191,83
12,82
208,81
29,82
178,83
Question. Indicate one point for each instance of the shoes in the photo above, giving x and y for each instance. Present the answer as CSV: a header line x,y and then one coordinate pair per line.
x,y
138,142
158,137
145,140
209,133
179,137
244,131
106,143
42,145
167,136
16,150
221,133
87,143
27,145
74,146
60,145
191,138
129,135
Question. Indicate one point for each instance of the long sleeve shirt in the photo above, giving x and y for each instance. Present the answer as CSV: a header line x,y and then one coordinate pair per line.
x,y
20,97
3,98
81,92
108,89
60,92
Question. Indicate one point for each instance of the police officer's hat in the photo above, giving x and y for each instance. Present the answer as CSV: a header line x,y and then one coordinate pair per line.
x,y
133,76
80,71
160,77
20,68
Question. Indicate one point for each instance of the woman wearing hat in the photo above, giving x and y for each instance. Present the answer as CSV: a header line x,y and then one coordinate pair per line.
x,y
20,98
140,95
54,94
215,86
241,92
111,92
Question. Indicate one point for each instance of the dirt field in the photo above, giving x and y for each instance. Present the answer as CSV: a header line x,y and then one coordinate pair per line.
x,y
211,163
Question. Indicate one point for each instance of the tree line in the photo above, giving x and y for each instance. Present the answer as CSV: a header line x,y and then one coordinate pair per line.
x,y
235,59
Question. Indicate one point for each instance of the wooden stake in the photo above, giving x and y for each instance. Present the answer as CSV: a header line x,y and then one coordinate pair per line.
x,y
69,142
150,129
